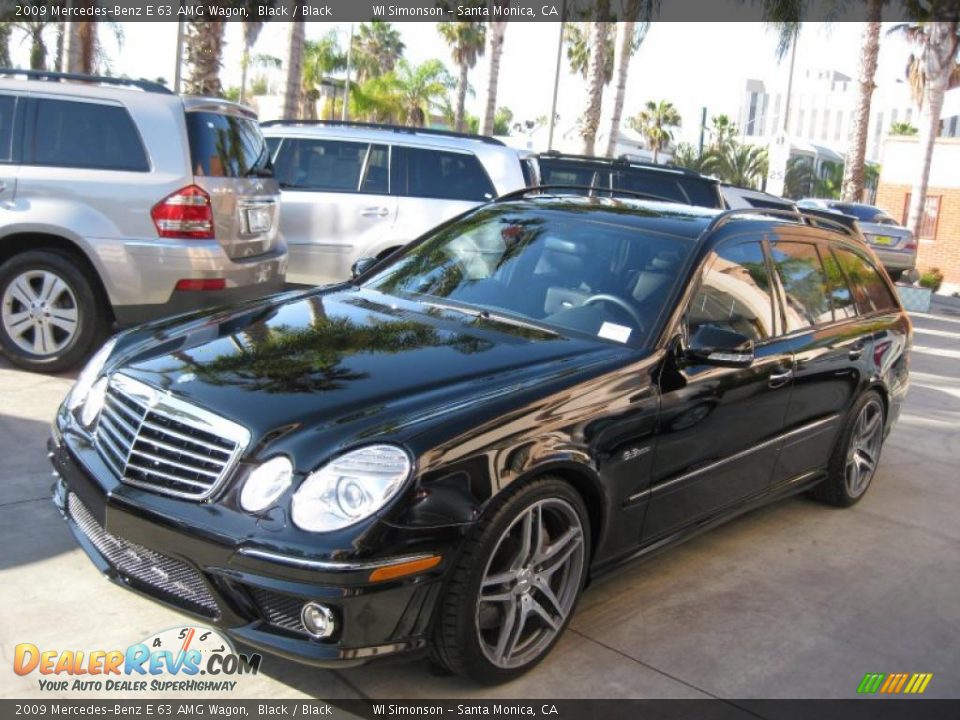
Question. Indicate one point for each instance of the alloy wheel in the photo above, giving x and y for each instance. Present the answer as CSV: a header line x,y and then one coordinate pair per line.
x,y
39,312
531,583
864,449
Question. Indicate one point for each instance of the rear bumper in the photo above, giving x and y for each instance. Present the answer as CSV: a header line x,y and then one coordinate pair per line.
x,y
896,259
255,600
140,275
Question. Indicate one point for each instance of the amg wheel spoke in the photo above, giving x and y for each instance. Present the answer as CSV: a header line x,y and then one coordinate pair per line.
x,y
558,552
870,426
554,607
537,609
515,618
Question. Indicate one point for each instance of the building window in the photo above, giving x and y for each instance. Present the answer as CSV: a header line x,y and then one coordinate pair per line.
x,y
838,132
813,124
752,115
826,125
931,215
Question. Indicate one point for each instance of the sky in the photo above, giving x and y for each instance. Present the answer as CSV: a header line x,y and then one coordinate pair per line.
x,y
692,64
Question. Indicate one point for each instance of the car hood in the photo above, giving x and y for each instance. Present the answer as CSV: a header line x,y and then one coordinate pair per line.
x,y
346,361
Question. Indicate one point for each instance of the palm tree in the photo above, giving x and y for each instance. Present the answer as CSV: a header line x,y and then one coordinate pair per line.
x,y
630,35
466,41
853,178
203,55
6,29
423,89
33,30
656,122
320,58
377,48
576,38
902,129
799,178
294,75
498,30
723,133
931,71
251,31
743,165
687,156
596,76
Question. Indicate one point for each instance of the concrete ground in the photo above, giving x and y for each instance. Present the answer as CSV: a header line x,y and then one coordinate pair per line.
x,y
795,600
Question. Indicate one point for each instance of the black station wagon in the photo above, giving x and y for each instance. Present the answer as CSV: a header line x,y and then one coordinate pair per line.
x,y
437,456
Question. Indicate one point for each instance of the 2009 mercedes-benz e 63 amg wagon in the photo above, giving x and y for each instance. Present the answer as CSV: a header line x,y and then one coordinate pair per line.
x,y
437,455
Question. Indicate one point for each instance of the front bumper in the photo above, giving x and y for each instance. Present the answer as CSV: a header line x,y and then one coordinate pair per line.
x,y
253,597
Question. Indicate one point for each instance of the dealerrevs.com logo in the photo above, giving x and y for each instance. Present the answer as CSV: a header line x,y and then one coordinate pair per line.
x,y
184,659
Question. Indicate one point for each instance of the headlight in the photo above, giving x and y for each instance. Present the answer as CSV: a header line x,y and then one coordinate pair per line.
x,y
265,484
89,374
94,403
350,488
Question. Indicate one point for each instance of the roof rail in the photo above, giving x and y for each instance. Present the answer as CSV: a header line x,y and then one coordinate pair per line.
x,y
145,85
385,126
798,216
622,159
594,191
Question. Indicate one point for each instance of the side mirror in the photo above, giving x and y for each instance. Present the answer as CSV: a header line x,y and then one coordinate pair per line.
x,y
361,266
711,345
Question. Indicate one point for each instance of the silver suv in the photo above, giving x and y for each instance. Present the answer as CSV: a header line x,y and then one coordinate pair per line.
x,y
359,190
121,202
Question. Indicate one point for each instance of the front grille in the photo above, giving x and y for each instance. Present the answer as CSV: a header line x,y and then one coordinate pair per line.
x,y
156,441
279,609
172,580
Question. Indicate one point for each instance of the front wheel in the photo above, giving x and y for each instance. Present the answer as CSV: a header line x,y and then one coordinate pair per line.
x,y
516,584
854,461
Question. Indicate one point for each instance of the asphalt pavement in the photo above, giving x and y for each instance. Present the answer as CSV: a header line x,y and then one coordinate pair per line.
x,y
794,600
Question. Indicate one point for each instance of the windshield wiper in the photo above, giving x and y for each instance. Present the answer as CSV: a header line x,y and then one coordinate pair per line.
x,y
485,314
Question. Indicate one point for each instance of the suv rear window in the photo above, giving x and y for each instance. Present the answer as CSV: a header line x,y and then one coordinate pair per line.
x,y
225,145
864,213
69,133
689,190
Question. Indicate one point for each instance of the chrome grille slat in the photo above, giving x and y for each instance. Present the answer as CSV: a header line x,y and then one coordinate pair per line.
x,y
174,580
153,440
166,461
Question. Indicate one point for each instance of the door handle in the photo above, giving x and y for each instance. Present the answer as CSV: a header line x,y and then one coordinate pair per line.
x,y
375,212
856,351
780,378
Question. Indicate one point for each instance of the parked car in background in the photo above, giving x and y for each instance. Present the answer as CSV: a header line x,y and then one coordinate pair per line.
x,y
353,190
894,244
437,456
656,181
122,202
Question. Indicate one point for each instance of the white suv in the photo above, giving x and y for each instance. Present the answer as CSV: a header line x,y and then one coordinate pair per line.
x,y
358,190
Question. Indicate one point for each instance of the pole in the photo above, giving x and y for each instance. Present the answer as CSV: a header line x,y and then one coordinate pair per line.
x,y
556,77
178,72
346,86
703,126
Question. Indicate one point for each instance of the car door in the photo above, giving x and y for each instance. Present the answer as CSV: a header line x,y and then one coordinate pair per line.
x,y
830,345
720,427
8,162
335,196
435,185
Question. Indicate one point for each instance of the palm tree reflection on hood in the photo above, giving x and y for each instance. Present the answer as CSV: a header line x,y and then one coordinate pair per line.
x,y
312,358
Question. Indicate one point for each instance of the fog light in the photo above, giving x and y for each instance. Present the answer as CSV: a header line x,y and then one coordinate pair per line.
x,y
318,620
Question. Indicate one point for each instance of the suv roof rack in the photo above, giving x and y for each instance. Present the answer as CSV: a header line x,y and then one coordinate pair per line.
x,y
594,189
145,85
798,216
386,126
623,159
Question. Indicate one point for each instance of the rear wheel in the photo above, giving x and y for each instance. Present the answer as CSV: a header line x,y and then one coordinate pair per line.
x,y
50,318
854,461
516,585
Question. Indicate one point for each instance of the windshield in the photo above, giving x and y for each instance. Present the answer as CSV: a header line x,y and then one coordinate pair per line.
x,y
570,271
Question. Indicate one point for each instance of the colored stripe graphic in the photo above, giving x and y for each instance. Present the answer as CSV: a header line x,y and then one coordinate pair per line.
x,y
894,683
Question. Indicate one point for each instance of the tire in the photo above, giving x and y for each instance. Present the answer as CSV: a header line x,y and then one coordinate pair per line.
x,y
537,584
50,316
856,455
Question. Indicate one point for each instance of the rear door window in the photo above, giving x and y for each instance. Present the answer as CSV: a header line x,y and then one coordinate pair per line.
x,y
376,171
75,134
444,175
841,294
8,105
871,292
225,145
321,165
804,284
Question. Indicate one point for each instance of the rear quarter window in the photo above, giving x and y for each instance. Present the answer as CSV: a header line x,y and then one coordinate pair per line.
x,y
870,291
224,145
68,133
445,175
8,105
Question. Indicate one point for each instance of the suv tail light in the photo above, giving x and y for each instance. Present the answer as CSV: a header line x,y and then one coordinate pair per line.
x,y
187,213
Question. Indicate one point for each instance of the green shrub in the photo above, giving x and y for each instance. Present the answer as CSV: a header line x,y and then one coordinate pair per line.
x,y
932,278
